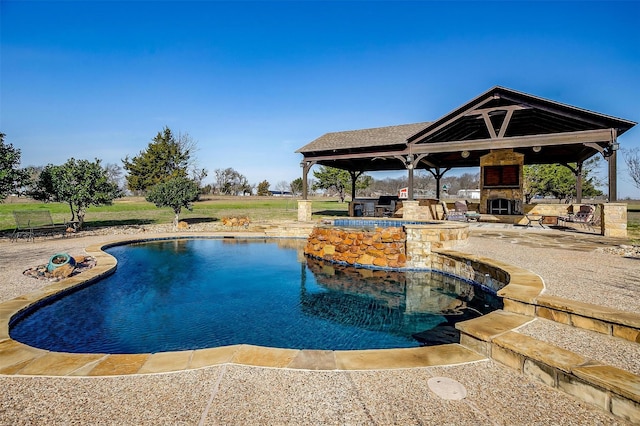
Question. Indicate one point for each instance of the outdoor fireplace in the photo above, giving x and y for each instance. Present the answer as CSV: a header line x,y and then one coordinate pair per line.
x,y
503,206
501,176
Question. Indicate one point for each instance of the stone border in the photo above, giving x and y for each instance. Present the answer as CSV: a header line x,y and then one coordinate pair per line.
x,y
523,293
19,359
609,388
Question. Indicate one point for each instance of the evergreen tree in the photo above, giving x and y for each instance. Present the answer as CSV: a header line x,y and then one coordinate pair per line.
x,y
263,188
166,157
330,178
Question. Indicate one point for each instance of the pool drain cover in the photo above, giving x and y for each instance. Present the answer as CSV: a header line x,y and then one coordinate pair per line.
x,y
447,388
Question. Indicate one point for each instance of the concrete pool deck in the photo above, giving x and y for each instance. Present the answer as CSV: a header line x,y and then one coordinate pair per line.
x,y
233,393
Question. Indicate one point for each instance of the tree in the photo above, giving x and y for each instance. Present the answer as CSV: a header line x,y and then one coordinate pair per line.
x,y
198,176
230,182
632,160
296,186
559,181
469,181
283,186
114,174
166,157
263,188
79,183
12,179
330,178
177,192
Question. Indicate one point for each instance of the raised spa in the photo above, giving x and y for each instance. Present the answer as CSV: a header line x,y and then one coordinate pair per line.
x,y
197,293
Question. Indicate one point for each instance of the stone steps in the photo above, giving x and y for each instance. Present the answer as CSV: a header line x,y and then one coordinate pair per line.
x,y
610,388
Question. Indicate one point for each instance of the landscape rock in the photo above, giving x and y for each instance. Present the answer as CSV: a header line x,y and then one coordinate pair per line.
x,y
382,247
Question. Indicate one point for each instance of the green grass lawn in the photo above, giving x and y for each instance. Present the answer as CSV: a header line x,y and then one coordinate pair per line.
x,y
633,221
137,211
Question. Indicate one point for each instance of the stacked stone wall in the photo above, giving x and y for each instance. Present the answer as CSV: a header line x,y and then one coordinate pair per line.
x,y
614,220
392,247
382,247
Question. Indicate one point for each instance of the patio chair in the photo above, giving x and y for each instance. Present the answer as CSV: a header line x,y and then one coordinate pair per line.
x,y
586,217
459,212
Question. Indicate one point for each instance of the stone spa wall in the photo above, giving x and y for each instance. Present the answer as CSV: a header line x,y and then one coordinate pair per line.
x,y
382,247
407,246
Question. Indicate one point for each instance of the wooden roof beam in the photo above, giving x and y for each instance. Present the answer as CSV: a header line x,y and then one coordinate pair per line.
x,y
445,123
383,155
507,108
568,138
580,114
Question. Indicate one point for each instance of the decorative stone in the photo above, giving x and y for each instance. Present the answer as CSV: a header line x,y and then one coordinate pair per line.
x,y
329,249
63,271
236,221
380,261
82,263
365,259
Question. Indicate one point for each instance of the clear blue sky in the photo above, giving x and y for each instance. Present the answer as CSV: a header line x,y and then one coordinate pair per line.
x,y
252,82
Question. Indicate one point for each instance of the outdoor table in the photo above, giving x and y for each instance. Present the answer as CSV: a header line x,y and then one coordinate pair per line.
x,y
534,218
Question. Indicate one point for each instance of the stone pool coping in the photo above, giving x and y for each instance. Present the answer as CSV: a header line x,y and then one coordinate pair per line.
x,y
19,359
491,336
495,335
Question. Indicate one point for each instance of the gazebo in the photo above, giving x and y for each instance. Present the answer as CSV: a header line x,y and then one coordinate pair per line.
x,y
499,131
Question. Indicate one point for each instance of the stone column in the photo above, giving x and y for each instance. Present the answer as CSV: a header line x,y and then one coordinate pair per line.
x,y
304,210
418,248
410,209
613,219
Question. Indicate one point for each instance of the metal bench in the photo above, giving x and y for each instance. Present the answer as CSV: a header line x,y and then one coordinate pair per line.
x,y
586,216
32,222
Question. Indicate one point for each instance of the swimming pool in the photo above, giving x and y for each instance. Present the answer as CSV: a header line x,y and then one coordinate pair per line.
x,y
198,293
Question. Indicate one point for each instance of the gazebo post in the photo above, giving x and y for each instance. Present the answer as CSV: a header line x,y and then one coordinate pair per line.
x,y
578,173
438,175
354,177
306,166
613,176
410,189
408,163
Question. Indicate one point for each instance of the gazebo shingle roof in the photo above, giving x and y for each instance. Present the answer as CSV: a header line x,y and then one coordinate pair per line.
x,y
544,131
364,138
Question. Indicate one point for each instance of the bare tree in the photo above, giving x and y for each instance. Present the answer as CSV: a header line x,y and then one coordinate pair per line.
x,y
632,160
230,182
469,181
114,174
283,186
198,175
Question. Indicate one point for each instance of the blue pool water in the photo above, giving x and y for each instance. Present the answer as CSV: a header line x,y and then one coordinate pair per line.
x,y
199,293
375,223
